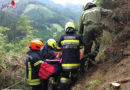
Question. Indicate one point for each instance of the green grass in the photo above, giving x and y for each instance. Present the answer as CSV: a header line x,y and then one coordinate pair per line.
x,y
94,82
78,85
89,88
106,40
39,10
33,6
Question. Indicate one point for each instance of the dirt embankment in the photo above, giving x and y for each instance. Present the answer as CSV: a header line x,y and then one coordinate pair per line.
x,y
116,66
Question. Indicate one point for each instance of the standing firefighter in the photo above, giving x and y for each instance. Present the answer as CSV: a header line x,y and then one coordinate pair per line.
x,y
91,27
70,43
33,63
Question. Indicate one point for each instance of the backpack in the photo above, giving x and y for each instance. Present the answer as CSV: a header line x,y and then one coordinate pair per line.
x,y
46,70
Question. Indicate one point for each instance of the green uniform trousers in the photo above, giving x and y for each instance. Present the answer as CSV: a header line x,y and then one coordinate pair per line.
x,y
91,33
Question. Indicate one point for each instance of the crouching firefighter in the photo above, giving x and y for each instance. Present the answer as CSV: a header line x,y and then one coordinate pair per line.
x,y
50,56
70,43
33,62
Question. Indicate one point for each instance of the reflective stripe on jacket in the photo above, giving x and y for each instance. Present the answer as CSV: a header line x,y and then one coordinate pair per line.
x,y
33,63
70,66
64,80
70,43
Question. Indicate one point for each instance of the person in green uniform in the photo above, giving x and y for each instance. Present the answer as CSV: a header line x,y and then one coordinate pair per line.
x,y
91,27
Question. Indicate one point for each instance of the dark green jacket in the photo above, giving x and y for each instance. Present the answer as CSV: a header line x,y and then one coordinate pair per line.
x,y
93,16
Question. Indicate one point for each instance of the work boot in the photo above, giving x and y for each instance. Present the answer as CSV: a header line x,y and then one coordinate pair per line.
x,y
54,87
63,86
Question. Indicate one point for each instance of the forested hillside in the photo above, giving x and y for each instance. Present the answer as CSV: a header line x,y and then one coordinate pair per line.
x,y
30,19
44,18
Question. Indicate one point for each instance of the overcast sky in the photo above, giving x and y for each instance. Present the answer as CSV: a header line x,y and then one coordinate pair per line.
x,y
64,2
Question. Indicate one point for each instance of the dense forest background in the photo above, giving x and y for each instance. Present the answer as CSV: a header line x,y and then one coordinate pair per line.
x,y
18,26
32,19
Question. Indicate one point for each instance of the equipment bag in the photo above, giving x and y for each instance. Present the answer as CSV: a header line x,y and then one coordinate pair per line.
x,y
46,70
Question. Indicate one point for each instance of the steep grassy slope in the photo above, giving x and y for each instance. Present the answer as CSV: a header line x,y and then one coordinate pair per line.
x,y
113,63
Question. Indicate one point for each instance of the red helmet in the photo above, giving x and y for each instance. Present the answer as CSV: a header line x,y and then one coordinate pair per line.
x,y
36,44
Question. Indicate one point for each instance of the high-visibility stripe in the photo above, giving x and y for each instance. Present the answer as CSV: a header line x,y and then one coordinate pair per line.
x,y
70,41
29,70
70,65
58,47
34,81
38,62
64,80
81,47
54,82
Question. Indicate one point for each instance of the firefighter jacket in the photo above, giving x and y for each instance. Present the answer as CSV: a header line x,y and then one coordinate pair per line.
x,y
47,52
93,16
33,63
70,43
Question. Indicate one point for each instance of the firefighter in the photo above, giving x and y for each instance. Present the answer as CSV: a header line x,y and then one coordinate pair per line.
x,y
70,43
49,52
91,28
33,62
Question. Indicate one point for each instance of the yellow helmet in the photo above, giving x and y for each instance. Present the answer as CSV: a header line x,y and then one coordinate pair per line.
x,y
52,43
69,24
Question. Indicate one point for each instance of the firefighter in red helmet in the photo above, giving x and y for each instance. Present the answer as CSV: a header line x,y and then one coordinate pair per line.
x,y
33,62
